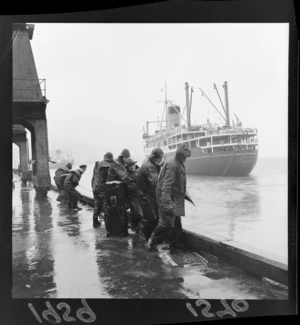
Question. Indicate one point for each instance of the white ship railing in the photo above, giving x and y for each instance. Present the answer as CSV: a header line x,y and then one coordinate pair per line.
x,y
243,136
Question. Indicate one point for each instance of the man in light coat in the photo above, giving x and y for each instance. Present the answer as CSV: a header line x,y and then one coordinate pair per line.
x,y
71,182
58,173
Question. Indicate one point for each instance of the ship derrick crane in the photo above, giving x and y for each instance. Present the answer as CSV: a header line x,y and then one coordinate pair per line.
x,y
203,94
238,121
147,125
215,87
226,111
226,118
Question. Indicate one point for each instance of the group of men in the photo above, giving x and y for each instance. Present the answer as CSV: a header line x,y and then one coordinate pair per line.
x,y
154,193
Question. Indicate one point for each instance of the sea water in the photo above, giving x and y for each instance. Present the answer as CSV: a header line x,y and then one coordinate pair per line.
x,y
251,210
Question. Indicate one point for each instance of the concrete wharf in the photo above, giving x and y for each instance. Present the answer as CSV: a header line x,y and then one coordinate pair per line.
x,y
58,254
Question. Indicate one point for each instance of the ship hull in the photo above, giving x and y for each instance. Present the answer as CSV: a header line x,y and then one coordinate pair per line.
x,y
235,163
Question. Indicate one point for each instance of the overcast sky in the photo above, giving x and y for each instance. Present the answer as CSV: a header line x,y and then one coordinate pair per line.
x,y
105,80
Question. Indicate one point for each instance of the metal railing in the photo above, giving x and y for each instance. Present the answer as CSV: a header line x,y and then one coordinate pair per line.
x,y
30,85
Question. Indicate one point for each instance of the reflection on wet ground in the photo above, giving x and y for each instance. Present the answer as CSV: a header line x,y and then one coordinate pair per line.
x,y
58,254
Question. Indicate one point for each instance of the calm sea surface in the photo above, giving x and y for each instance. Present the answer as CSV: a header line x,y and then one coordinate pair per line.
x,y
250,210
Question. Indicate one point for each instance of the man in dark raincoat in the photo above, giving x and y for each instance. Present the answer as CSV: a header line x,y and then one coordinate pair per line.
x,y
117,168
59,172
170,195
98,185
130,180
71,182
146,186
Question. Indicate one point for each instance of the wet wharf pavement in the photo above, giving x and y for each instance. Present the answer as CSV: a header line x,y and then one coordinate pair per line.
x,y
57,253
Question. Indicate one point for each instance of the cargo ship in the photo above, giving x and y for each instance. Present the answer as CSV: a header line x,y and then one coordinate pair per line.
x,y
217,150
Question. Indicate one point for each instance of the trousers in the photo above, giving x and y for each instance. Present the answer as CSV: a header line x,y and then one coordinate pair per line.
x,y
99,202
149,221
136,212
74,195
168,228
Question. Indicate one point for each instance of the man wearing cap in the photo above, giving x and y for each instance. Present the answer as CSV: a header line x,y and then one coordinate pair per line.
x,y
117,168
130,180
98,185
146,186
59,172
170,195
71,182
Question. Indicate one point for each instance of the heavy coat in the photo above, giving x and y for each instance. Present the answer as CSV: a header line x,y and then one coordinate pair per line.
x,y
136,213
170,194
116,171
146,185
171,188
98,185
100,174
60,171
130,180
72,180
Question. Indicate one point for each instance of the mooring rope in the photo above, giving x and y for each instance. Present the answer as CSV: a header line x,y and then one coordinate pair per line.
x,y
227,166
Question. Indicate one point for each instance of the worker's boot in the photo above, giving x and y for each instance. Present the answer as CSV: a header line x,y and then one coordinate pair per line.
x,y
96,222
150,245
157,237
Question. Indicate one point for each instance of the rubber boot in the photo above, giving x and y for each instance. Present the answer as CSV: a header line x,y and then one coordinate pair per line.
x,y
157,237
150,247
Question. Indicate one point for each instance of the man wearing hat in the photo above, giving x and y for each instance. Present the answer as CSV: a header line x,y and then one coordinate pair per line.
x,y
146,186
117,169
58,173
98,185
170,195
71,182
130,180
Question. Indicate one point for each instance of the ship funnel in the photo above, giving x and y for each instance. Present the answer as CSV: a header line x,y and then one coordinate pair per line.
x,y
173,119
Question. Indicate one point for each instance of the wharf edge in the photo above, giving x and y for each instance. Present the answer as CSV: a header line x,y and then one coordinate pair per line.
x,y
251,260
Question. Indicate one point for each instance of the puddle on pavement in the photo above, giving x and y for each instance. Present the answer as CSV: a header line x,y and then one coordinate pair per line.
x,y
58,254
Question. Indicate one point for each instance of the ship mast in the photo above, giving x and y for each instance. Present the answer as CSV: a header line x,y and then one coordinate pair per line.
x,y
188,110
166,103
215,87
192,90
226,103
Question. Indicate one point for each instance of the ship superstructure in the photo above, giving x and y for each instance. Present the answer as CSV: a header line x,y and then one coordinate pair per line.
x,y
228,150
